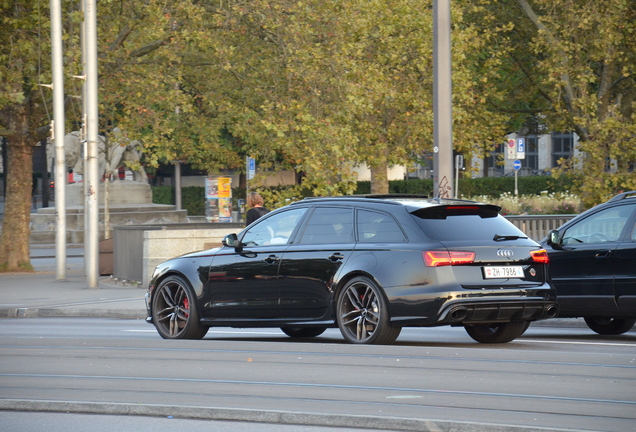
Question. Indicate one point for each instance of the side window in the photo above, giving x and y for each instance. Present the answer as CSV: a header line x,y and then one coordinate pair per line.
x,y
374,227
273,230
329,225
604,226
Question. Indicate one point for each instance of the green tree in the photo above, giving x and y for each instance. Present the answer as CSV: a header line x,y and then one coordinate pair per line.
x,y
321,85
25,56
572,65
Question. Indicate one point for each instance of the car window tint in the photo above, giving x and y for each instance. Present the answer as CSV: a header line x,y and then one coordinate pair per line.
x,y
274,229
329,225
467,227
374,227
604,226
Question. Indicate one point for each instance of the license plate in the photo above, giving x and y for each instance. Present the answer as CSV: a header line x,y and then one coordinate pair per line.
x,y
503,272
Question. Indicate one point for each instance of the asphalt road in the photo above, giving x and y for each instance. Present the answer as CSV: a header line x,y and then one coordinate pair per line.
x,y
431,379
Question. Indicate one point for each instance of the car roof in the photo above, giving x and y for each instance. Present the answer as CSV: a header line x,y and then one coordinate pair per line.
x,y
408,200
622,196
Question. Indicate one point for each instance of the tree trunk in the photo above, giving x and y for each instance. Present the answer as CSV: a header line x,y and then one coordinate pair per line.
x,y
14,240
379,173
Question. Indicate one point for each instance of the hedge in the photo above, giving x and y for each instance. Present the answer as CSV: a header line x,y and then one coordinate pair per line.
x,y
486,186
193,197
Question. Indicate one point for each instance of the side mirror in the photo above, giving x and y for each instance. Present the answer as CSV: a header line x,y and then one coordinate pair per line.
x,y
554,240
231,240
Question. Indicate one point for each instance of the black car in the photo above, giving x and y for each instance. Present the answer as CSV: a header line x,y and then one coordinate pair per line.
x,y
369,265
593,265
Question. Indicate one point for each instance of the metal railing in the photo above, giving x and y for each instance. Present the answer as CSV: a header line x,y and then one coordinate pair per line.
x,y
537,227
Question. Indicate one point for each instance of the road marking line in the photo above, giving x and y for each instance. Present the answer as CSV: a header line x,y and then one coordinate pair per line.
x,y
577,343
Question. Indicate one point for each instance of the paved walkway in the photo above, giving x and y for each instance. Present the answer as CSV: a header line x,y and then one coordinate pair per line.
x,y
40,294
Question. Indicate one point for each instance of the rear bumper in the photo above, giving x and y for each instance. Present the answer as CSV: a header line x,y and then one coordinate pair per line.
x,y
467,312
490,312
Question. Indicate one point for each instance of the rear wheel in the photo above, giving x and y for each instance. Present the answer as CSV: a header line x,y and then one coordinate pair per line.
x,y
303,332
363,314
174,311
497,332
609,326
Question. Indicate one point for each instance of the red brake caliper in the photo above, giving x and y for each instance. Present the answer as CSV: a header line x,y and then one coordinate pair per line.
x,y
186,306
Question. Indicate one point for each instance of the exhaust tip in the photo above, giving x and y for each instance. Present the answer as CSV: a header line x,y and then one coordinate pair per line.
x,y
458,314
551,311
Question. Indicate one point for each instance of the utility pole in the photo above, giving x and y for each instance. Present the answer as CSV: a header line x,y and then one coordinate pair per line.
x,y
442,101
57,135
91,169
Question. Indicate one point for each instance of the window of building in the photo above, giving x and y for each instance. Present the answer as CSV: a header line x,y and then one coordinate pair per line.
x,y
532,153
562,146
494,162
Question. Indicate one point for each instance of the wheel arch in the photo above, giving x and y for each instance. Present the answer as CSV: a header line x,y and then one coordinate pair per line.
x,y
169,273
352,275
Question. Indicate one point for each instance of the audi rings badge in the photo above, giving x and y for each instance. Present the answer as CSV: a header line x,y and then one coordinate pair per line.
x,y
505,253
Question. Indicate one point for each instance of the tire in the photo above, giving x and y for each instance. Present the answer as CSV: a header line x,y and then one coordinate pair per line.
x,y
362,314
174,310
609,326
497,332
303,332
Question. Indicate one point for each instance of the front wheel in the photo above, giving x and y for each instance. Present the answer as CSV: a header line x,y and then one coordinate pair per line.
x,y
609,326
174,310
363,314
303,332
497,332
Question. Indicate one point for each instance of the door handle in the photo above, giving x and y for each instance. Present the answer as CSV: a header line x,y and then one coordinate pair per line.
x,y
603,253
336,257
271,259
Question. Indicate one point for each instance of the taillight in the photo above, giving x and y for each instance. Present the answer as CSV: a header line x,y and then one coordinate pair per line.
x,y
446,258
540,256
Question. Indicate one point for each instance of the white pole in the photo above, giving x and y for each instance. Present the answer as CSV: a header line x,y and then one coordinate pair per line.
x,y
57,132
177,185
456,176
442,101
91,170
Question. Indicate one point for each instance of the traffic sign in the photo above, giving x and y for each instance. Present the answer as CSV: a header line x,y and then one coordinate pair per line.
x,y
251,168
521,148
517,165
511,150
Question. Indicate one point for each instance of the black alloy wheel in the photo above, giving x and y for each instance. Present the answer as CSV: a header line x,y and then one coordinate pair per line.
x,y
174,311
497,332
609,326
303,332
363,314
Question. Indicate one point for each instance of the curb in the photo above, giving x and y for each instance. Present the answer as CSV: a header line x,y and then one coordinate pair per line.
x,y
141,314
72,313
264,416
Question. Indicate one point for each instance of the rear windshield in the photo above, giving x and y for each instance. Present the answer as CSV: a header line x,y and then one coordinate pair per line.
x,y
464,223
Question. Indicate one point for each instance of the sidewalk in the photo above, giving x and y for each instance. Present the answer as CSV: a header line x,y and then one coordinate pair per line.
x,y
39,294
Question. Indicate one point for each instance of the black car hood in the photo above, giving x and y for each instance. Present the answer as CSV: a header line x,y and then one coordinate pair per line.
x,y
204,253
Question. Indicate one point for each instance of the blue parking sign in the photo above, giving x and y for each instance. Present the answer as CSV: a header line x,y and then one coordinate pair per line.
x,y
521,148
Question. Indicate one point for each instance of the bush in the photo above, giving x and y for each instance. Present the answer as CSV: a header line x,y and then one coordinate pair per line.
x,y
192,198
163,195
485,186
542,204
411,186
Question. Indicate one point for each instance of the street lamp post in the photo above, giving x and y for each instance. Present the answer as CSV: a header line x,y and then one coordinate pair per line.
x,y
442,100
57,132
91,242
